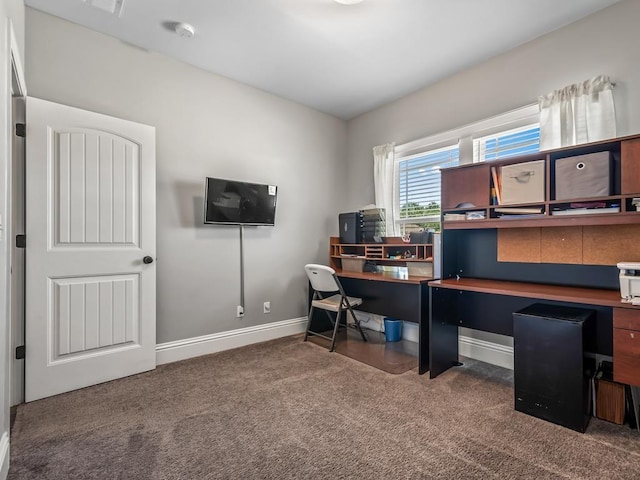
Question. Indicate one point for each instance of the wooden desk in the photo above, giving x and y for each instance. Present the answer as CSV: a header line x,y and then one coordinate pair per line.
x,y
591,296
395,277
390,294
488,305
533,252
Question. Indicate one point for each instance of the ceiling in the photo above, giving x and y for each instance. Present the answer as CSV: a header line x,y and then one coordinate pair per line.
x,y
340,59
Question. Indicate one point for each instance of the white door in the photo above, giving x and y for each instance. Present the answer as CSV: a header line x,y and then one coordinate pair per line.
x,y
90,208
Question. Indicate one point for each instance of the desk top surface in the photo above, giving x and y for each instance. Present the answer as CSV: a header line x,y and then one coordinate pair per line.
x,y
385,277
590,296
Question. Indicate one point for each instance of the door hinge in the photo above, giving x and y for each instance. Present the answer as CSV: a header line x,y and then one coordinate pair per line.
x,y
21,241
20,352
21,130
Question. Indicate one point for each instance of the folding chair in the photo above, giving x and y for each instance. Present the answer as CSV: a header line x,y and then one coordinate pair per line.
x,y
329,296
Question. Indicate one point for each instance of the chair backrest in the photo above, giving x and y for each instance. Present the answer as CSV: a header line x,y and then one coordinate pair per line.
x,y
321,277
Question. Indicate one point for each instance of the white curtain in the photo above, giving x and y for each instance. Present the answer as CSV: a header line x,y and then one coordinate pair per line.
x,y
579,113
383,165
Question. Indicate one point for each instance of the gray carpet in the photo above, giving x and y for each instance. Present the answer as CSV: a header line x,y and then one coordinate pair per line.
x,y
288,409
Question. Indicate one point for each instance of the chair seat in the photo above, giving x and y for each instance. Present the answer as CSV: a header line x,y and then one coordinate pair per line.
x,y
324,279
332,303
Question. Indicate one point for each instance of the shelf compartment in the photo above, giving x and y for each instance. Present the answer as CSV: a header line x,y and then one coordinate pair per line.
x,y
400,252
350,250
517,205
609,198
514,212
456,181
374,251
629,206
611,206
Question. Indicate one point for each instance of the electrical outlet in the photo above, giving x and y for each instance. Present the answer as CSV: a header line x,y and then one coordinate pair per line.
x,y
239,311
266,307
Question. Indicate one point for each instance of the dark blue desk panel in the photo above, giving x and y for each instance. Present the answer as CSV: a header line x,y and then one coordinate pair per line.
x,y
453,307
389,295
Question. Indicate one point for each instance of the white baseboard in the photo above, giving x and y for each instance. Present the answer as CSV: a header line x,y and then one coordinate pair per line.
x,y
217,342
168,352
484,351
411,332
4,456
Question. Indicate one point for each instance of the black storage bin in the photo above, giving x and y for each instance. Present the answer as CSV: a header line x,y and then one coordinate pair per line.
x,y
551,374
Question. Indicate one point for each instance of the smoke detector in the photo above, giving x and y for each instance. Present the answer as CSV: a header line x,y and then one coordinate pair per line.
x,y
184,30
113,7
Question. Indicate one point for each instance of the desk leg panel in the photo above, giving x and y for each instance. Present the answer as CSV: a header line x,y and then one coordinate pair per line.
x,y
423,328
388,299
443,332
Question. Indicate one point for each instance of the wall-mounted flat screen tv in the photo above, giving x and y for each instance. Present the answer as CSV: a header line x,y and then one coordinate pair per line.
x,y
232,202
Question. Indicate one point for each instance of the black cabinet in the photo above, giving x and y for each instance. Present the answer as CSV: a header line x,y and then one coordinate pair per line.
x,y
551,373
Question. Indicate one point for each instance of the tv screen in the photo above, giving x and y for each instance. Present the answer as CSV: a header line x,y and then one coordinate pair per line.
x,y
239,203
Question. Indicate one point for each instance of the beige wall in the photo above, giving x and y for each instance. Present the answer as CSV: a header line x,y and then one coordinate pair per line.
x,y
206,125
603,43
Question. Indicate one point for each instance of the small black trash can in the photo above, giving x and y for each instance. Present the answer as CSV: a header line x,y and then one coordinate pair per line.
x,y
551,373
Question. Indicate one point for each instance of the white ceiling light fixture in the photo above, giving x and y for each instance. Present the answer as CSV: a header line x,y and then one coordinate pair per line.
x,y
348,2
184,30
114,7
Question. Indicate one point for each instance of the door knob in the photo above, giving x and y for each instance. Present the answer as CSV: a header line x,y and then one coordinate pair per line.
x,y
147,259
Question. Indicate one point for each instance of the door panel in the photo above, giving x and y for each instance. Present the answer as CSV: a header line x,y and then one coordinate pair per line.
x,y
96,189
90,220
90,313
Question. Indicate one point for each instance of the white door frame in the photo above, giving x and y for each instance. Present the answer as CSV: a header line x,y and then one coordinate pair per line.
x,y
14,85
17,256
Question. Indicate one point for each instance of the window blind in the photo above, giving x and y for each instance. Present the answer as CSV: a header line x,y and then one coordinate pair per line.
x,y
517,141
419,183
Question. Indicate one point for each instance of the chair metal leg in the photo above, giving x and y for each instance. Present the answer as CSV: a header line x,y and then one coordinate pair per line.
x,y
306,332
335,325
335,329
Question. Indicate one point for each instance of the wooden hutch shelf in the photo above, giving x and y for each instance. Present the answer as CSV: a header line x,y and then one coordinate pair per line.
x,y
626,218
473,184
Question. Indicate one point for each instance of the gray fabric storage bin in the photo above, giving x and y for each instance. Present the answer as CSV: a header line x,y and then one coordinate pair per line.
x,y
584,176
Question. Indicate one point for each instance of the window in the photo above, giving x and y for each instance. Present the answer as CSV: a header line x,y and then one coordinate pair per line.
x,y
508,143
418,187
416,178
